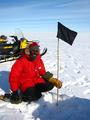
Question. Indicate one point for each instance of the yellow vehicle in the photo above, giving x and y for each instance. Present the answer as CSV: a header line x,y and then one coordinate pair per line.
x,y
3,39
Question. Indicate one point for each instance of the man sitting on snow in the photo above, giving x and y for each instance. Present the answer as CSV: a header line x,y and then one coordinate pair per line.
x,y
28,77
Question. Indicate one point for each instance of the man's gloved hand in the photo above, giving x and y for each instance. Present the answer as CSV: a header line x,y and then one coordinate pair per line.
x,y
55,82
15,98
49,77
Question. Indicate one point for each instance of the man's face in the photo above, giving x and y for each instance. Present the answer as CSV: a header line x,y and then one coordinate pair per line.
x,y
34,51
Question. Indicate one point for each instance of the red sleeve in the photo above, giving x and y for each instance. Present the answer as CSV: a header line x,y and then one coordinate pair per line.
x,y
15,75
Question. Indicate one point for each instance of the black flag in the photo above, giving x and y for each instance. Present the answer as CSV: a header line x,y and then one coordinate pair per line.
x,y
66,34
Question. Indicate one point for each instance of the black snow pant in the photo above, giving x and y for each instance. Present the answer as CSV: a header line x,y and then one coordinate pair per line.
x,y
34,93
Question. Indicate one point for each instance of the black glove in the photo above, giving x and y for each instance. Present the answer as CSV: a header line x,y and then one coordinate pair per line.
x,y
47,76
15,98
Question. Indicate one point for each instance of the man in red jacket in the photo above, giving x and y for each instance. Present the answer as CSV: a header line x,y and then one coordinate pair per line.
x,y
28,77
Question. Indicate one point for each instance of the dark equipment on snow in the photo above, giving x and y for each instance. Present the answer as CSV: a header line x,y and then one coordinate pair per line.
x,y
11,51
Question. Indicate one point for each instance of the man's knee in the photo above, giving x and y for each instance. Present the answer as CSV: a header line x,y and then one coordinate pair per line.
x,y
31,94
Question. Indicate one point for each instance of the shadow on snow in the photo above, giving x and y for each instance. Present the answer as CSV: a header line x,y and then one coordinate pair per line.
x,y
4,81
73,108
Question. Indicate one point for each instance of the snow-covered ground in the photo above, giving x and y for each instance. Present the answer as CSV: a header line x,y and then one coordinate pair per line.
x,y
74,96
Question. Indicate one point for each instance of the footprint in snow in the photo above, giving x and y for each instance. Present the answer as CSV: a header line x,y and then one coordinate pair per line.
x,y
87,91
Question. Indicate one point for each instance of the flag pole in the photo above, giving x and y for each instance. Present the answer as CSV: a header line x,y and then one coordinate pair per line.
x,y
68,36
57,68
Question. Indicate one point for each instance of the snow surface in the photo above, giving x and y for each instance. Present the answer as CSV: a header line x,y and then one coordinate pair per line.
x,y
74,96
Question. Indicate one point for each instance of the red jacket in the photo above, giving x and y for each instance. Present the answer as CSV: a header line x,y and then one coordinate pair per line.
x,y
26,73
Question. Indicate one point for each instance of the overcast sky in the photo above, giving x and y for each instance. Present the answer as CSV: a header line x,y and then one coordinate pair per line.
x,y
43,15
